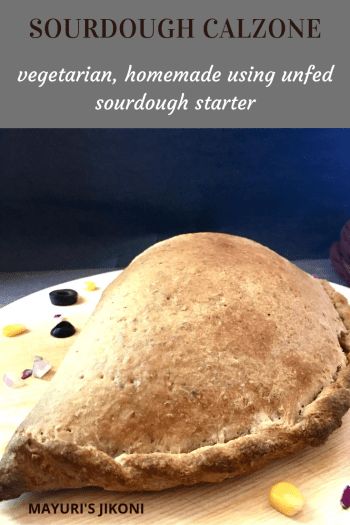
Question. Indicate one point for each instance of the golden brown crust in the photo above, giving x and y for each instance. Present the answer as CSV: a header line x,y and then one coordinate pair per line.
x,y
44,454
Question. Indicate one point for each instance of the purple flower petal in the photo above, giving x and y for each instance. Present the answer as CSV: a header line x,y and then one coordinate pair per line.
x,y
345,499
8,380
339,264
41,368
26,373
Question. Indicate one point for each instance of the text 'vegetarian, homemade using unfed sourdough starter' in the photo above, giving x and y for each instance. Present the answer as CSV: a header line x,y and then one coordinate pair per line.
x,y
146,79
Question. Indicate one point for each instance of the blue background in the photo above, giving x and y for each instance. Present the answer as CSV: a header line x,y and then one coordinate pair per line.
x,y
94,198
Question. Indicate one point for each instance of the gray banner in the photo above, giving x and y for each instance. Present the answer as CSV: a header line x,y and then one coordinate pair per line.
x,y
68,98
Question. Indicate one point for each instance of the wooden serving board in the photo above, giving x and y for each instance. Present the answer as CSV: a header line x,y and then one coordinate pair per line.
x,y
321,473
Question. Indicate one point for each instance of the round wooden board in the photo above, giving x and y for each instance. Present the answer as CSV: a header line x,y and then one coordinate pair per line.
x,y
321,473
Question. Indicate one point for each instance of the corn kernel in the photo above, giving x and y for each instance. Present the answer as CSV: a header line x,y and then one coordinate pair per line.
x,y
286,498
90,286
10,330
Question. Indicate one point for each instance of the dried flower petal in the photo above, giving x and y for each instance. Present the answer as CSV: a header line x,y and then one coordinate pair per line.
x,y
8,380
41,368
12,380
90,286
26,373
11,330
345,499
286,498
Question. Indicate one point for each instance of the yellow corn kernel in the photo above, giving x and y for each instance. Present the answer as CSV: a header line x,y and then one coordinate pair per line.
x,y
90,286
286,498
10,330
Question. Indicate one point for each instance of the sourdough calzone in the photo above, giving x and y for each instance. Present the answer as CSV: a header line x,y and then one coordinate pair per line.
x,y
209,356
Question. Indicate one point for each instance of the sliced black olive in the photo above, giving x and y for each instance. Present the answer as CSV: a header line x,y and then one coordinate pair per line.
x,y
63,329
64,297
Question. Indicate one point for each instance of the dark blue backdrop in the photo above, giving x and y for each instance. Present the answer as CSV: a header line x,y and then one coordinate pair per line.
x,y
94,198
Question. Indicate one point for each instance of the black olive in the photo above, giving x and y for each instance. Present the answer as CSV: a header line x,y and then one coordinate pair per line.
x,y
64,297
63,329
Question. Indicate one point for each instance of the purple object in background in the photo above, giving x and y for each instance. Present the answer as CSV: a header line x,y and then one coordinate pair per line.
x,y
345,242
340,254
345,499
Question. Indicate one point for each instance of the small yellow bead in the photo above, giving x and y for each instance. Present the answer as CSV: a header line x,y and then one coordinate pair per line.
x,y
90,286
286,498
10,330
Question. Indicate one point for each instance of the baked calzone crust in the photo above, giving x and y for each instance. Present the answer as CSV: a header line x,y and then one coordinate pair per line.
x,y
209,356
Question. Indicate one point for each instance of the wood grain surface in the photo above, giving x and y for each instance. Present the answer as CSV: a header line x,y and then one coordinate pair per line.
x,y
321,473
